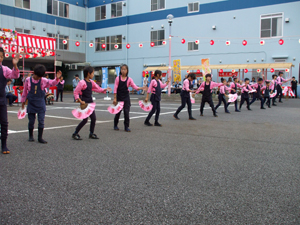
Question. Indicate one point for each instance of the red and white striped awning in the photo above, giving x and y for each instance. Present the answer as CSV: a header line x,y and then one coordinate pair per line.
x,y
37,42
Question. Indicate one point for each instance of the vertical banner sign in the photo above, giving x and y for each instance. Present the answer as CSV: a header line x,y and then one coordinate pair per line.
x,y
104,77
118,70
205,67
177,70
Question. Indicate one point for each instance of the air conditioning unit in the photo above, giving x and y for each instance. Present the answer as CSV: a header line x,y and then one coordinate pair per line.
x,y
73,67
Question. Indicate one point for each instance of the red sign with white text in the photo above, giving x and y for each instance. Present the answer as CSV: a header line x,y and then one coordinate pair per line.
x,y
227,74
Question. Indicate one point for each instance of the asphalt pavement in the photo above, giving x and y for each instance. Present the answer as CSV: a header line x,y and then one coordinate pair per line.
x,y
239,168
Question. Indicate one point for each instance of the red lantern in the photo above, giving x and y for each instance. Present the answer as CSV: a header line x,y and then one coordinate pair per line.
x,y
188,71
52,53
147,72
116,46
128,46
246,70
182,40
244,42
43,52
29,50
233,71
65,41
13,48
91,45
77,43
144,73
262,42
197,42
287,70
152,44
212,42
5,47
227,42
20,56
43,55
281,41
221,71
272,70
6,55
35,55
103,46
27,56
140,45
164,42
21,49
258,70
13,55
198,71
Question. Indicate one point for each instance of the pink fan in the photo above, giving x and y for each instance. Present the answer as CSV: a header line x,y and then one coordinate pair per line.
x,y
192,99
115,109
145,106
21,113
285,90
232,97
84,111
273,95
253,90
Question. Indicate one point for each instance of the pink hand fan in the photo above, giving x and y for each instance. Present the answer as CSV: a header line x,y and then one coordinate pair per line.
x,y
273,95
232,97
84,111
115,109
145,106
192,99
285,90
21,113
253,90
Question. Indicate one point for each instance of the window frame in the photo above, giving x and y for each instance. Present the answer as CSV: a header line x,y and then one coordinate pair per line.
x,y
157,7
157,40
64,11
194,44
198,3
22,7
116,3
22,30
271,16
100,12
108,43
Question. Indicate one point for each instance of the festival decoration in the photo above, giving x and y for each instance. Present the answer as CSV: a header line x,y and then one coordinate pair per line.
x,y
77,43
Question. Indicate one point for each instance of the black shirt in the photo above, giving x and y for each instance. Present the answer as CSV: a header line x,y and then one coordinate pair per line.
x,y
294,83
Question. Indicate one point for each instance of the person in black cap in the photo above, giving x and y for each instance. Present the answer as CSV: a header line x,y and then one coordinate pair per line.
x,y
294,83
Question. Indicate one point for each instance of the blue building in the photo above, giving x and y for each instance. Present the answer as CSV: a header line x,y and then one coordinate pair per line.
x,y
116,23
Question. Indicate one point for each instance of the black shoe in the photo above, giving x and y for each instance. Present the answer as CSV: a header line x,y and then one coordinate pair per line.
x,y
31,139
40,136
215,115
76,137
176,117
148,124
237,110
192,118
262,108
227,112
201,114
249,108
281,101
274,104
269,106
93,136
157,124
116,128
127,129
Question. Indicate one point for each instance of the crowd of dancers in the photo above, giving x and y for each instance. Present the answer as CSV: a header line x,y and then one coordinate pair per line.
x,y
35,86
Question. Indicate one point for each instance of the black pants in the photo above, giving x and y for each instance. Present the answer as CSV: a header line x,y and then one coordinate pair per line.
x,y
61,95
274,98
83,122
243,99
295,91
279,93
41,119
255,97
185,100
210,102
126,110
155,109
268,103
235,104
12,98
3,121
222,99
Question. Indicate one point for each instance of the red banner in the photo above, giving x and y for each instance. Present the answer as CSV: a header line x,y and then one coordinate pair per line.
x,y
228,74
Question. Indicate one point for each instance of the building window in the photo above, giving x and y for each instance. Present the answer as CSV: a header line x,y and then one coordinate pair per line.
x,y
193,7
59,41
192,46
271,25
116,9
109,41
22,4
58,8
100,13
157,4
157,36
24,31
